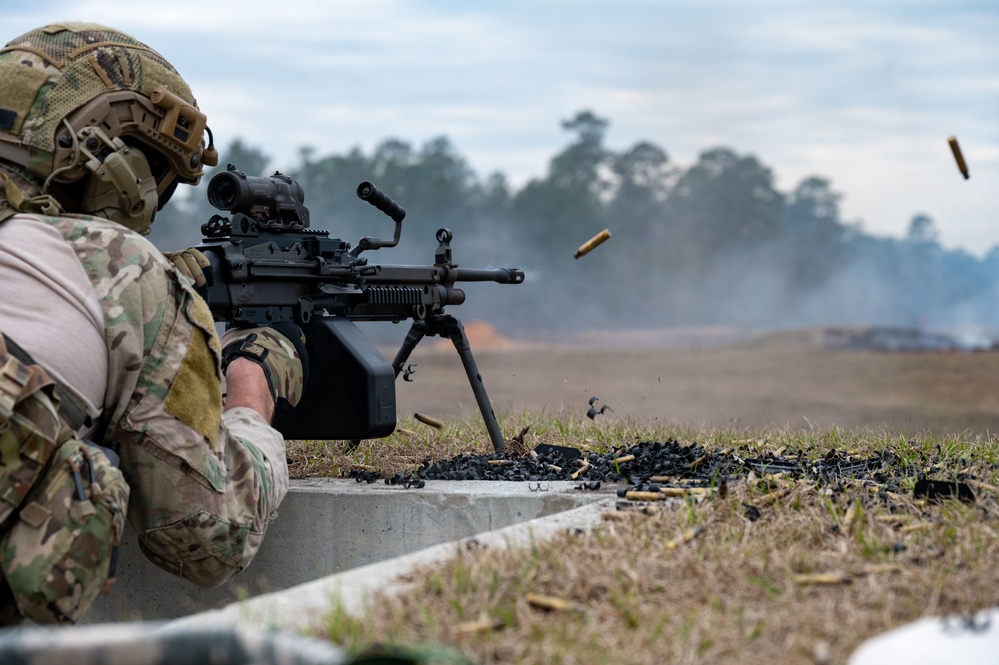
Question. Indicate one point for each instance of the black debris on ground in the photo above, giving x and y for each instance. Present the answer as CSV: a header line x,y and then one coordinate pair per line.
x,y
649,465
621,465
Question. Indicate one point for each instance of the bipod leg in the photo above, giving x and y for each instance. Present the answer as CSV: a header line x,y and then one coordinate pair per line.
x,y
452,329
417,331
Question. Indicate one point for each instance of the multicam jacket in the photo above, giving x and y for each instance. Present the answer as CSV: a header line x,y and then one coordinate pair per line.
x,y
204,484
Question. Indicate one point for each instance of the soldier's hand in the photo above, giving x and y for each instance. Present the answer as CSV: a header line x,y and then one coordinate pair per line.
x,y
192,263
278,349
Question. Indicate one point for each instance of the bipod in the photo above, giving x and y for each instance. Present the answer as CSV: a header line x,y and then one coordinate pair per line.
x,y
450,328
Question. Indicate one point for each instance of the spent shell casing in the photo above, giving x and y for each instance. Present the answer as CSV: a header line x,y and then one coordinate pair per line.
x,y
771,497
685,537
481,625
851,514
645,496
909,528
588,246
958,157
685,491
877,568
427,420
823,578
548,602
979,485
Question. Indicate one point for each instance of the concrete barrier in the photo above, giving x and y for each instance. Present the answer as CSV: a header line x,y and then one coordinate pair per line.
x,y
326,526
304,608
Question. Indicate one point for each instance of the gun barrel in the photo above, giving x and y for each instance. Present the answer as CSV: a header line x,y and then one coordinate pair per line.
x,y
498,275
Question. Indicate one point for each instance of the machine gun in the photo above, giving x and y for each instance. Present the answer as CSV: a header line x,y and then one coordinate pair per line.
x,y
269,266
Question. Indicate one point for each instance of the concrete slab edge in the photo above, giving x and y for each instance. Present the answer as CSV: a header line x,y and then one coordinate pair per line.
x,y
302,607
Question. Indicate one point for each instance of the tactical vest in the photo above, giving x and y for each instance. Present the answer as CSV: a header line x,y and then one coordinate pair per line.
x,y
31,427
62,500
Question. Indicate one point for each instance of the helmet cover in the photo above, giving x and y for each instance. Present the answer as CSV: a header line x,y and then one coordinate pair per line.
x,y
59,80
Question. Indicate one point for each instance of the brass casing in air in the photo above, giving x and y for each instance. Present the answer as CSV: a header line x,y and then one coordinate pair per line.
x,y
592,242
958,157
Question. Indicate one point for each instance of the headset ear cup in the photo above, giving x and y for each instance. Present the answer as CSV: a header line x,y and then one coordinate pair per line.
x,y
122,189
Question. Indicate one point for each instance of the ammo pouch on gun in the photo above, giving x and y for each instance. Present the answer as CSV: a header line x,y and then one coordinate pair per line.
x,y
62,503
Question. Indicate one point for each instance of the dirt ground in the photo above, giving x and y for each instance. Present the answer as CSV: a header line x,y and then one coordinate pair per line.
x,y
778,380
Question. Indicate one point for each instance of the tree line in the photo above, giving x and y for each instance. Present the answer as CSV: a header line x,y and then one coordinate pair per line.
x,y
713,243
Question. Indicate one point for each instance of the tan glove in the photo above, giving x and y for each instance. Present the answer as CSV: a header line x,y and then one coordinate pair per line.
x,y
191,263
280,351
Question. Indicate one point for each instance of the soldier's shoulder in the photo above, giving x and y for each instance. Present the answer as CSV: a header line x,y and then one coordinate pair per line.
x,y
103,241
127,271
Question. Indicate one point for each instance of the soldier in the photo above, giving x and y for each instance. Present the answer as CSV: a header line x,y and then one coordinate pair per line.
x,y
111,397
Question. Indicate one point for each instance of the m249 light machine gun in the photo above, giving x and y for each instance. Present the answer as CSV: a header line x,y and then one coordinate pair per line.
x,y
268,266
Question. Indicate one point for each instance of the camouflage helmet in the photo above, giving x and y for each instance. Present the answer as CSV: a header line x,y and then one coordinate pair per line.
x,y
76,99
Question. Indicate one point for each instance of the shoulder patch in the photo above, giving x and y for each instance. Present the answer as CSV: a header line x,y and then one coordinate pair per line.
x,y
201,316
195,396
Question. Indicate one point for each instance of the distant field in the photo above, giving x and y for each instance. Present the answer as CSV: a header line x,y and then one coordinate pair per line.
x,y
767,569
784,380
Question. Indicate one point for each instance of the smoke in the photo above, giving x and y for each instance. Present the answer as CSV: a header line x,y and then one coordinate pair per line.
x,y
721,250
872,283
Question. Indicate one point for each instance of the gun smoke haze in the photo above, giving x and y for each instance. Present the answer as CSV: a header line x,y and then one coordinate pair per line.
x,y
713,245
724,302
890,285
742,301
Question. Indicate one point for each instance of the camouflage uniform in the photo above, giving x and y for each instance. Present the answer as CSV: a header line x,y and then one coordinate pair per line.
x,y
202,485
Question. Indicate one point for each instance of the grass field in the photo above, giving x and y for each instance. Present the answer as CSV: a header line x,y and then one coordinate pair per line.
x,y
779,380
773,570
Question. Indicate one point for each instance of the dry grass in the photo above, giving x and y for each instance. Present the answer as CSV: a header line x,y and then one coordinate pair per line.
x,y
821,570
412,443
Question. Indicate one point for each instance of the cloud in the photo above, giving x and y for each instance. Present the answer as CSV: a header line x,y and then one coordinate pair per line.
x,y
862,93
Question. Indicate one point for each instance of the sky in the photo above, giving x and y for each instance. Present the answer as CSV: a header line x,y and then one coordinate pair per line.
x,y
864,94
